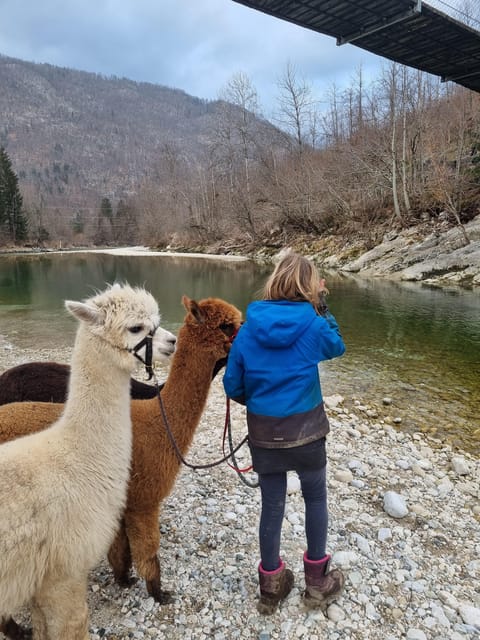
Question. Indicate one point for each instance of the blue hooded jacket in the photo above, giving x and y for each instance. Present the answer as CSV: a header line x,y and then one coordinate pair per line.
x,y
273,363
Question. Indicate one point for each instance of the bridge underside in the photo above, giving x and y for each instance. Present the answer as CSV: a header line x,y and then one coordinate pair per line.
x,y
405,31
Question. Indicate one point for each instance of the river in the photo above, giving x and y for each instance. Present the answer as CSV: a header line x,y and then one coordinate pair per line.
x,y
417,345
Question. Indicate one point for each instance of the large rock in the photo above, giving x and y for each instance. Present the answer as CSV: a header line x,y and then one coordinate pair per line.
x,y
440,257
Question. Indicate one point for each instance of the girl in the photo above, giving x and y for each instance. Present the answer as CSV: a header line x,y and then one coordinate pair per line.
x,y
273,368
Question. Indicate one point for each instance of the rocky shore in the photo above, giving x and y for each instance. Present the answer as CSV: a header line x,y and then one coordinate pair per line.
x,y
404,528
435,254
447,256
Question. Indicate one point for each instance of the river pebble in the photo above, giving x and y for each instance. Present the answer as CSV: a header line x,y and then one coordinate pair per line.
x,y
395,505
410,572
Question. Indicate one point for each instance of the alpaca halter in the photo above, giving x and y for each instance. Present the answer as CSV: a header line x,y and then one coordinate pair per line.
x,y
147,342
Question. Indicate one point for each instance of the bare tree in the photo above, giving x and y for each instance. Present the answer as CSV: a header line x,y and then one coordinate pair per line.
x,y
404,161
332,118
296,105
235,145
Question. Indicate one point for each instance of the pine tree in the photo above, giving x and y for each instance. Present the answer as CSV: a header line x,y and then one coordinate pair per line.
x,y
125,223
12,219
105,213
106,208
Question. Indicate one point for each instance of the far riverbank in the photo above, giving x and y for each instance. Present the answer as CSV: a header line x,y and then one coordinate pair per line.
x,y
434,254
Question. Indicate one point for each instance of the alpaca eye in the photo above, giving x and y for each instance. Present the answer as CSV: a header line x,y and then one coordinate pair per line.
x,y
136,329
227,328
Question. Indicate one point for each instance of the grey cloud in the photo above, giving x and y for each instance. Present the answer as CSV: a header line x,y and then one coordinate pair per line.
x,y
188,44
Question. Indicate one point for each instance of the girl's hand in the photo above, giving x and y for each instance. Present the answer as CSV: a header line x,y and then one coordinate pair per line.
x,y
322,287
321,306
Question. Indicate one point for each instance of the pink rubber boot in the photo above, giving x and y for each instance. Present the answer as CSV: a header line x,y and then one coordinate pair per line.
x,y
322,586
274,587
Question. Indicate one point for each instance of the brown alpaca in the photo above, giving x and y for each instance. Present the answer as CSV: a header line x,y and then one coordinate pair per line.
x,y
203,340
48,382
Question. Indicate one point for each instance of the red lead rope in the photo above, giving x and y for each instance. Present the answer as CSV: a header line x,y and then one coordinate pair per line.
x,y
228,429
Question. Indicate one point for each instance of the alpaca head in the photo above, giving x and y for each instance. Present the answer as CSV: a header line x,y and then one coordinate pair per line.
x,y
213,323
122,316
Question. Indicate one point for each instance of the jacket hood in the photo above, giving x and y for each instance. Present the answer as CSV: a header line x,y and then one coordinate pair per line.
x,y
276,324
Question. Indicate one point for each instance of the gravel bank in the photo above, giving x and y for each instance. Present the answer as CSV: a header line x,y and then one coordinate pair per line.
x,y
404,528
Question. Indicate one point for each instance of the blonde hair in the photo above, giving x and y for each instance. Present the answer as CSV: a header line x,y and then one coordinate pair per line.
x,y
294,278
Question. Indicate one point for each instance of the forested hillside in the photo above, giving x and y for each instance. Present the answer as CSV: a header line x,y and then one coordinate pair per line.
x,y
76,138
107,160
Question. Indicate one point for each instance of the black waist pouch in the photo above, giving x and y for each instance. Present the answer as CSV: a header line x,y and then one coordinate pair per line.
x,y
296,430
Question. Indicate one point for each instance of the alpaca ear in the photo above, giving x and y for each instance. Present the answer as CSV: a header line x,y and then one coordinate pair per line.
x,y
193,307
83,312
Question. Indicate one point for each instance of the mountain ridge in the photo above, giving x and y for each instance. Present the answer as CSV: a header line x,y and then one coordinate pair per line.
x,y
76,136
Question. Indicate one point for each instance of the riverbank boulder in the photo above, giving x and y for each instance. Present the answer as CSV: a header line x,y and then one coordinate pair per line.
x,y
448,257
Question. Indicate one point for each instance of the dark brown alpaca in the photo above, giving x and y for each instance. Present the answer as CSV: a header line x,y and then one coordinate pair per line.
x,y
48,382
203,340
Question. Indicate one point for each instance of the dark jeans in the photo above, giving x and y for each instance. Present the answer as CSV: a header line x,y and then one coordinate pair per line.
x,y
273,488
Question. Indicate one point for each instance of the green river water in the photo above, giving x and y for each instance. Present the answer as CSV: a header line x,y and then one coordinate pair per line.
x,y
418,345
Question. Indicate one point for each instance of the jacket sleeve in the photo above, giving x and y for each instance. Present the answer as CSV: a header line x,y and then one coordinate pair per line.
x,y
331,341
233,379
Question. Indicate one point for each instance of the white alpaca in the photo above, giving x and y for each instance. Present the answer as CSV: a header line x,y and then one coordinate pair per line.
x,y
62,490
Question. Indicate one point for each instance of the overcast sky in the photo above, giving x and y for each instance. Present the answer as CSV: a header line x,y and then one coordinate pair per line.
x,y
194,45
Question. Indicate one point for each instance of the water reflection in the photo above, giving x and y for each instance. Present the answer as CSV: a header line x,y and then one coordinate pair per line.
x,y
16,281
418,345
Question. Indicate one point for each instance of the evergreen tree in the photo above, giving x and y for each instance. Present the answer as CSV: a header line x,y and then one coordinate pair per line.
x,y
106,208
78,222
106,213
12,219
125,224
